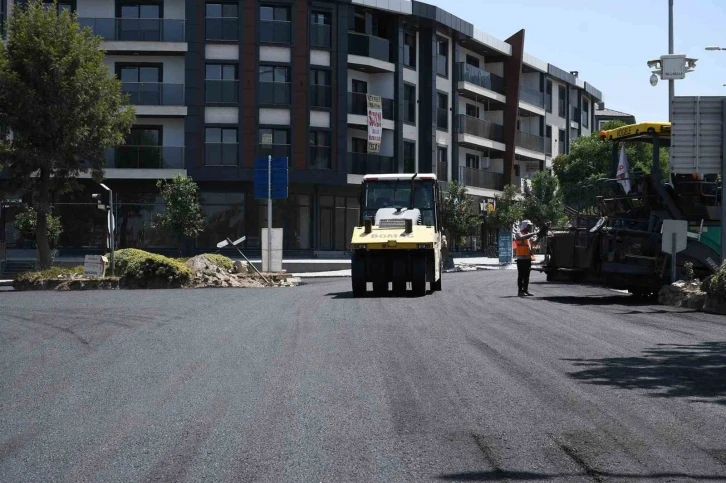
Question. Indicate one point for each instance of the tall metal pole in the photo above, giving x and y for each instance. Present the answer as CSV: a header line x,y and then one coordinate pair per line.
x,y
269,213
112,232
671,83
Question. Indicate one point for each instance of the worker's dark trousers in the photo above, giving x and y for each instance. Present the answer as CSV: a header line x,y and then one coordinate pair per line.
x,y
523,268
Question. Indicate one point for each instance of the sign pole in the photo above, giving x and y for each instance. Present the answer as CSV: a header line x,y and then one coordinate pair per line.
x,y
112,236
673,260
269,213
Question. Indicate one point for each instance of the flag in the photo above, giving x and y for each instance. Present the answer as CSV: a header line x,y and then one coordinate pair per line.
x,y
623,173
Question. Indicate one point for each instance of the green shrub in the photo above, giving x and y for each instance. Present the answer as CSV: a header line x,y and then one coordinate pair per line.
x,y
688,271
715,285
51,273
149,269
221,261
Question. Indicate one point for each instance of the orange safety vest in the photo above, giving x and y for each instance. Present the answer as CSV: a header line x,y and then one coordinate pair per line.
x,y
524,248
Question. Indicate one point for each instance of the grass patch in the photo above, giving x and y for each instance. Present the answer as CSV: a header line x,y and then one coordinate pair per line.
x,y
150,268
51,273
221,261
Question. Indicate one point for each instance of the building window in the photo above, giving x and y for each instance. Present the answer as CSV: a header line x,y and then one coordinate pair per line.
x,y
562,101
61,6
222,21
275,142
442,57
142,83
472,61
473,161
548,132
360,145
442,154
142,150
548,95
409,157
221,146
274,85
409,104
359,86
442,115
472,111
409,49
275,26
585,113
221,84
320,92
562,142
3,16
320,30
320,151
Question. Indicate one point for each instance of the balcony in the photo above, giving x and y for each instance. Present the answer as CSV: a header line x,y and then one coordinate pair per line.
x,y
221,154
364,163
480,128
156,34
480,178
575,114
369,54
358,104
321,96
320,36
154,93
442,171
530,141
531,96
275,150
481,78
275,31
321,157
274,93
222,29
145,157
221,91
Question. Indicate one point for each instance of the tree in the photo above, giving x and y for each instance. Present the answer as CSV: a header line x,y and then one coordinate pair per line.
x,y
508,210
543,201
459,218
590,160
26,220
182,214
61,105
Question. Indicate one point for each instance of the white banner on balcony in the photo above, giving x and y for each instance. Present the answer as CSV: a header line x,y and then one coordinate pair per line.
x,y
375,123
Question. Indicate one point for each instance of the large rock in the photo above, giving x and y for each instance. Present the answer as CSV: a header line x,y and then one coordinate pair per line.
x,y
207,274
683,294
241,267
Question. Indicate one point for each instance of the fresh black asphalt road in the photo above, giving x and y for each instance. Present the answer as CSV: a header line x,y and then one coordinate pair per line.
x,y
307,384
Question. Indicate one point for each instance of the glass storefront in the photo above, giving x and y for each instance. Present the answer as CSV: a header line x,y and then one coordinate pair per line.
x,y
225,218
338,216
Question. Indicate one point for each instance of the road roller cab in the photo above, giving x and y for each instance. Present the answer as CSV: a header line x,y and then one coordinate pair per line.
x,y
399,237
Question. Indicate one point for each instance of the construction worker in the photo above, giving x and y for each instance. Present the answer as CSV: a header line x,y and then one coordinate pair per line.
x,y
524,255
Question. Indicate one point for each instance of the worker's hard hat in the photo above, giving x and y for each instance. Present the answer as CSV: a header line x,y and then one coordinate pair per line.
x,y
525,224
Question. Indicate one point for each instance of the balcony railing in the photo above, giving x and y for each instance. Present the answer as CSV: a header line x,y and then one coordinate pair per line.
x,y
145,157
275,150
221,91
358,104
275,31
530,141
321,96
548,146
369,46
531,96
154,93
574,114
480,178
137,29
442,171
222,28
442,119
321,157
364,163
320,35
481,78
480,128
275,93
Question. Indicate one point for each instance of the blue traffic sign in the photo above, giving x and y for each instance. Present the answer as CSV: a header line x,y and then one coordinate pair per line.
x,y
278,179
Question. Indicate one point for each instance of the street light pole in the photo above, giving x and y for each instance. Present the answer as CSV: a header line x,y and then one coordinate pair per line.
x,y
671,82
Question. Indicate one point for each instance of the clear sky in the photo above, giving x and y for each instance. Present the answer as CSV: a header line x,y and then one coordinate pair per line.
x,y
609,43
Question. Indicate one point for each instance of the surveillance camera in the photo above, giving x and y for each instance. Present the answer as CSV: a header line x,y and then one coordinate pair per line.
x,y
654,64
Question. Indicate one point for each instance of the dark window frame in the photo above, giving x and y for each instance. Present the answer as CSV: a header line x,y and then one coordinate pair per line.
x,y
235,38
119,66
139,3
73,4
222,128
409,88
413,50
439,42
472,161
439,95
408,143
148,127
477,63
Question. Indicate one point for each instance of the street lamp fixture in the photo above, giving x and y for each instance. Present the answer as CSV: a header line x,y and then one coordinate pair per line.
x,y
714,47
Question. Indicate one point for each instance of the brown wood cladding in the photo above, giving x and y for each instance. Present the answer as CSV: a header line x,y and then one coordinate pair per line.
x,y
512,74
249,74
300,113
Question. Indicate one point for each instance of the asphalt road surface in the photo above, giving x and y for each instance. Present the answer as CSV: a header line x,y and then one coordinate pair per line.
x,y
308,384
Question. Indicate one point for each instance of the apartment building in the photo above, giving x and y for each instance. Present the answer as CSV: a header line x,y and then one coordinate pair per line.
x,y
219,83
